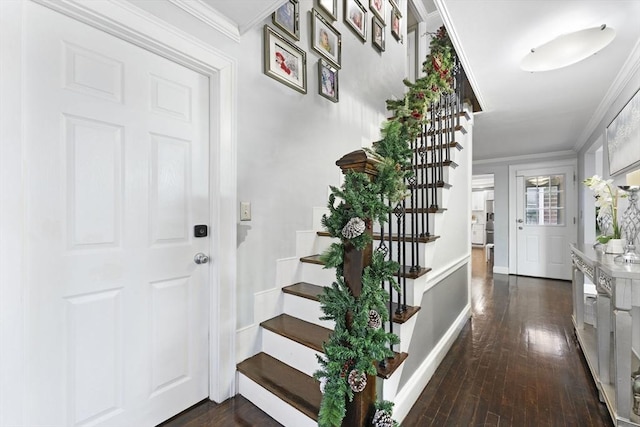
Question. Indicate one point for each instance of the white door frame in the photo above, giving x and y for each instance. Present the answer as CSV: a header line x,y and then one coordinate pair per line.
x,y
573,162
123,20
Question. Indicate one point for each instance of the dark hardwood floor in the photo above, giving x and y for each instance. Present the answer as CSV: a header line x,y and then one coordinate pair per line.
x,y
515,363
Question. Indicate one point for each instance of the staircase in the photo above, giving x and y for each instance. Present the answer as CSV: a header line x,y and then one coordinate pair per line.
x,y
278,378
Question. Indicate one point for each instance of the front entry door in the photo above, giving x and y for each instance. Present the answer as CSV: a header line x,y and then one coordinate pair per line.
x,y
545,221
117,176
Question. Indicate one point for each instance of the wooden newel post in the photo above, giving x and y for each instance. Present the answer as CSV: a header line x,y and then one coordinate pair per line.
x,y
361,409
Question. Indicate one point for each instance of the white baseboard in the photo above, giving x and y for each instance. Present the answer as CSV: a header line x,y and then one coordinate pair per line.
x,y
500,270
409,394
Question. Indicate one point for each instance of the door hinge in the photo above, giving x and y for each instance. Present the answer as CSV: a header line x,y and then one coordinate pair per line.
x,y
574,220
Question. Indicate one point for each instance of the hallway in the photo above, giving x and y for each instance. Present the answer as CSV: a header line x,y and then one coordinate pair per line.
x,y
516,363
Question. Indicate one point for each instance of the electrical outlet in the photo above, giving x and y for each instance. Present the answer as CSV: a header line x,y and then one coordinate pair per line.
x,y
245,211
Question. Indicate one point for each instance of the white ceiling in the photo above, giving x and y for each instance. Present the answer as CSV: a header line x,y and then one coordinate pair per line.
x,y
536,113
524,113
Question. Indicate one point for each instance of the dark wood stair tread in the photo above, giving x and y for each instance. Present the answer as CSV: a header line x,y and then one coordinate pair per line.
x,y
439,184
456,128
313,292
303,332
445,163
425,210
312,336
292,386
312,259
405,270
452,144
395,237
409,273
304,290
392,363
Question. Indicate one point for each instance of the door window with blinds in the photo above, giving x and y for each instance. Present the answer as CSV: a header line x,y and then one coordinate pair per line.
x,y
545,200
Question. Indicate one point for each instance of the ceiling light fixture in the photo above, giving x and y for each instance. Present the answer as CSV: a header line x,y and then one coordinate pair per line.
x,y
568,49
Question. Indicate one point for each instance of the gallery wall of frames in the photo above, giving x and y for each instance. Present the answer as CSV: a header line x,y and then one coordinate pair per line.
x,y
286,61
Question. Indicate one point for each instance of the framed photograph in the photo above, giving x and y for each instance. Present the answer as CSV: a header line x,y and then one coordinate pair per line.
x,y
330,7
377,33
283,61
355,15
325,39
327,80
287,18
623,138
396,23
378,8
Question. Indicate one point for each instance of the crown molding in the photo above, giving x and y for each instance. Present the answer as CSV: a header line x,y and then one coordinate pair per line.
x,y
205,13
451,29
526,158
627,71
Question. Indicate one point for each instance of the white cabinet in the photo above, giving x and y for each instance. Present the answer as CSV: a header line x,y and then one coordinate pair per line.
x,y
489,194
477,234
477,201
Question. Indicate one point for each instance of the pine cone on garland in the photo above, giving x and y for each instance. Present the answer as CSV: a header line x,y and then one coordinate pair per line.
x,y
323,384
354,228
357,381
375,321
382,419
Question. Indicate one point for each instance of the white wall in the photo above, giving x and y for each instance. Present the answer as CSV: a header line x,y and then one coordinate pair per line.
x,y
598,137
288,142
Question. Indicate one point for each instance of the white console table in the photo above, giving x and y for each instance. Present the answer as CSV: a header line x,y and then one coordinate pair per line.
x,y
609,355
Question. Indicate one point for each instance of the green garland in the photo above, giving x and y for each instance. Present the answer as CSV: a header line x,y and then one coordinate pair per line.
x,y
350,351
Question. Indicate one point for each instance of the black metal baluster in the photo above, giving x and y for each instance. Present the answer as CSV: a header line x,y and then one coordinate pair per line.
x,y
413,185
432,151
424,155
400,218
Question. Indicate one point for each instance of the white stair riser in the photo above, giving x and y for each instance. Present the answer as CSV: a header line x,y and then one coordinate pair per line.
x,y
290,352
277,409
405,332
308,243
317,274
306,309
388,388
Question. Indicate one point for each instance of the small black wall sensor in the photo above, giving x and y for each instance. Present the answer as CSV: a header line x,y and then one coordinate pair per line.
x,y
200,230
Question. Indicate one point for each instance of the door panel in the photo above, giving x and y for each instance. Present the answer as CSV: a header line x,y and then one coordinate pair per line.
x,y
545,223
117,175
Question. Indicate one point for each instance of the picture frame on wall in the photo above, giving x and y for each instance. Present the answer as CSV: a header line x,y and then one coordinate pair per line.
x,y
623,138
327,80
287,18
325,39
379,9
329,7
283,61
377,33
396,23
355,16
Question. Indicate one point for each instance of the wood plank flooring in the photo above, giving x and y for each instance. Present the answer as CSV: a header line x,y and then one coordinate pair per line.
x,y
516,363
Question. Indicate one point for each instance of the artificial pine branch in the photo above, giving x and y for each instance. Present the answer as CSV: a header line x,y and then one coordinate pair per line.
x,y
357,345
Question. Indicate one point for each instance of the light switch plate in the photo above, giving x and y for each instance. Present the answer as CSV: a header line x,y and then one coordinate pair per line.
x,y
245,211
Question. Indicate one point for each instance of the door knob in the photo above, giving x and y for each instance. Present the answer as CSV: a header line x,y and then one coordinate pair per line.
x,y
201,258
520,221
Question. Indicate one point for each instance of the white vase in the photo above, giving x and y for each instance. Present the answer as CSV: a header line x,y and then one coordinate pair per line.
x,y
615,246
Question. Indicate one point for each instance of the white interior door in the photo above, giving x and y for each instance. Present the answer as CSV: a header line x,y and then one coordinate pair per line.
x,y
117,175
546,222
